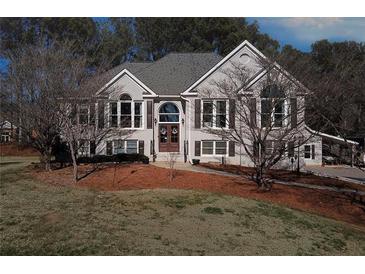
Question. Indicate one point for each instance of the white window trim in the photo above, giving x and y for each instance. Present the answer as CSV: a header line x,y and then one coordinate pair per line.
x,y
272,114
88,148
214,101
310,152
84,106
119,113
109,115
214,146
125,145
159,113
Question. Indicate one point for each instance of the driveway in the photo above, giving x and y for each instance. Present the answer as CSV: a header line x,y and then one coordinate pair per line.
x,y
339,171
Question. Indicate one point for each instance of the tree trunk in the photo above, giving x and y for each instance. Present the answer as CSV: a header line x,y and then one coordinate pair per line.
x,y
74,163
46,159
262,183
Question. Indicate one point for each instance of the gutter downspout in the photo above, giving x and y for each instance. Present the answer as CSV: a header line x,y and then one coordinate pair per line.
x,y
187,108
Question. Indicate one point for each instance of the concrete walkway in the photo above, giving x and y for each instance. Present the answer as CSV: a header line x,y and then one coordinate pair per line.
x,y
346,173
197,168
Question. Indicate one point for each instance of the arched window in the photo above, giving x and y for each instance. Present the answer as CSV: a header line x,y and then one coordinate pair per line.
x,y
272,106
169,113
125,97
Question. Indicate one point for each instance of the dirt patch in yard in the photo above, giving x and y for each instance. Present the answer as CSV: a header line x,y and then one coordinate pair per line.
x,y
139,176
288,176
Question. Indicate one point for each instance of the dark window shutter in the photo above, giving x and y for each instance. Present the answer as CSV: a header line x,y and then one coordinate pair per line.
x,y
101,117
73,114
92,147
197,148
92,114
231,149
151,147
149,114
313,152
255,149
252,107
197,113
232,113
294,112
291,149
141,147
109,148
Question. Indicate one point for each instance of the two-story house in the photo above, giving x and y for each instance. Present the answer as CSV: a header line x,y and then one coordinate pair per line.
x,y
163,105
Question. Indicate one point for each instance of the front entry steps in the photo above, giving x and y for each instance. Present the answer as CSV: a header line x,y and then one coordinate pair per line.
x,y
166,157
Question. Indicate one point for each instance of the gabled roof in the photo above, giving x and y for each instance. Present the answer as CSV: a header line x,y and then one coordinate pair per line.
x,y
331,136
148,91
170,75
221,62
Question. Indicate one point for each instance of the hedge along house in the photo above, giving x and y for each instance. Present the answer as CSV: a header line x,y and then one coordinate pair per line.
x,y
163,105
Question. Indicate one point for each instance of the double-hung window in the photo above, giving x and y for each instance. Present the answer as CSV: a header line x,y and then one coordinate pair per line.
x,y
215,113
126,113
272,106
83,114
214,148
221,114
279,112
309,152
138,114
125,146
84,147
207,113
113,113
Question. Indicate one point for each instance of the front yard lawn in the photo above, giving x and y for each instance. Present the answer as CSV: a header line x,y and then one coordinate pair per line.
x,y
43,219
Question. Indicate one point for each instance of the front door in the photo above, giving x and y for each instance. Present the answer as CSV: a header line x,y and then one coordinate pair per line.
x,y
169,137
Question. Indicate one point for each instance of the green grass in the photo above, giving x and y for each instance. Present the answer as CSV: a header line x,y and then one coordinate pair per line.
x,y
39,219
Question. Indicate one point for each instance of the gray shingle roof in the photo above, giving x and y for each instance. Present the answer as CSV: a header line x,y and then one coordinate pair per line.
x,y
172,74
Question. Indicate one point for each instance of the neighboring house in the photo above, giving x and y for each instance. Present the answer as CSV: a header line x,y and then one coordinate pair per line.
x,y
162,103
7,132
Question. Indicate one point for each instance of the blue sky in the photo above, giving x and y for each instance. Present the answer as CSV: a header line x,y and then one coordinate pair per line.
x,y
301,32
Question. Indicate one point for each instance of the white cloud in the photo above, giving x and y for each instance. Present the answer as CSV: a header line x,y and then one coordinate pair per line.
x,y
315,28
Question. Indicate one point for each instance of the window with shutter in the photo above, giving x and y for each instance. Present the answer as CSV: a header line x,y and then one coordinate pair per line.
x,y
100,114
197,113
291,149
197,148
149,115
253,112
109,148
232,113
232,149
294,112
141,147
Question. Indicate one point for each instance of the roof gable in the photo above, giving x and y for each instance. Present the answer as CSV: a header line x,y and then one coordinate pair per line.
x,y
247,44
149,92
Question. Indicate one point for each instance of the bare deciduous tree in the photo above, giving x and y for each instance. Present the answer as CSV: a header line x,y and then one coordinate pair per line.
x,y
44,93
268,117
38,75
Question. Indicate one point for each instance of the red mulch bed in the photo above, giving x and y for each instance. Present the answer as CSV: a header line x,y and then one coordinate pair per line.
x,y
16,150
139,176
288,176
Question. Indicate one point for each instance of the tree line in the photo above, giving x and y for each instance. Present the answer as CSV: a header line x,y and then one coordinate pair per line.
x,y
339,66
